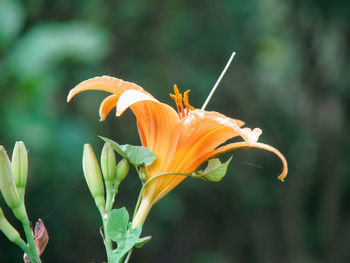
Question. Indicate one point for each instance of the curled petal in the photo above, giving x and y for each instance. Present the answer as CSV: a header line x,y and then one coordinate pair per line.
x,y
107,105
245,145
105,83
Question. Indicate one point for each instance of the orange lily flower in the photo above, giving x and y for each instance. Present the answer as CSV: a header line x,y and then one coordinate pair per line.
x,y
182,140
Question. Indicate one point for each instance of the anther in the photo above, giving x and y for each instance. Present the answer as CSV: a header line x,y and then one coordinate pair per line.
x,y
181,101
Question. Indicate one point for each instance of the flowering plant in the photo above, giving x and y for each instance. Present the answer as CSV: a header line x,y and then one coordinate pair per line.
x,y
175,143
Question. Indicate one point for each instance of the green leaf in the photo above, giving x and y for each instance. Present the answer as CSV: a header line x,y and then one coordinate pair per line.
x,y
215,170
117,223
119,229
136,155
125,243
142,241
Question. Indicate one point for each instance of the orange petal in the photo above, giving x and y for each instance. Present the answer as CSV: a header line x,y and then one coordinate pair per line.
x,y
108,84
131,97
245,145
141,134
156,121
105,83
199,134
202,132
107,105
157,125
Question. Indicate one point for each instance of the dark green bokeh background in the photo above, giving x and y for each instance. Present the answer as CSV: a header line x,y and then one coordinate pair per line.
x,y
290,77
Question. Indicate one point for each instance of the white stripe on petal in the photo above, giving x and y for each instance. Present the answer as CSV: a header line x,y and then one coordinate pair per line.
x,y
131,97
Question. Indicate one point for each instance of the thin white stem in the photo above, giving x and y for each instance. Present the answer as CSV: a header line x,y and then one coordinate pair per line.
x,y
218,81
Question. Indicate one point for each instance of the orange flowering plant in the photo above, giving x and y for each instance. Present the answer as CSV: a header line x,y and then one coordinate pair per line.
x,y
174,144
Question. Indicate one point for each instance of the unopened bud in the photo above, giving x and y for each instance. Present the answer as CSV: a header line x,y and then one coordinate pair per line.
x,y
108,162
93,175
9,231
7,183
20,167
122,170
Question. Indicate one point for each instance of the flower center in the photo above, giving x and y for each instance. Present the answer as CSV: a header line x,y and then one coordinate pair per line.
x,y
182,104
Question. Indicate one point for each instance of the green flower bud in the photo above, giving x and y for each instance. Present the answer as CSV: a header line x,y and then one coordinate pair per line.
x,y
93,175
7,182
9,231
20,167
108,162
122,170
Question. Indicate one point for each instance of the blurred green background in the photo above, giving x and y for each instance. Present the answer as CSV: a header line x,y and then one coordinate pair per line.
x,y
291,78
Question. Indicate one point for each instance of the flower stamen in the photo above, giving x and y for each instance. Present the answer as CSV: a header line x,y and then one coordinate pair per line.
x,y
182,103
186,102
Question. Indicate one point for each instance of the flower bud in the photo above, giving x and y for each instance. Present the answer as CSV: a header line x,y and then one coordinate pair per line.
x,y
20,167
108,162
9,231
122,170
93,175
7,183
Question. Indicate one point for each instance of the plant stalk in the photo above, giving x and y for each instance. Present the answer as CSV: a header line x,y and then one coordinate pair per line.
x,y
107,240
29,236
109,200
112,190
25,249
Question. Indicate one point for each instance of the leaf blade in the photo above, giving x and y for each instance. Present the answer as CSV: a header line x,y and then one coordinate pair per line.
x,y
136,155
215,170
117,223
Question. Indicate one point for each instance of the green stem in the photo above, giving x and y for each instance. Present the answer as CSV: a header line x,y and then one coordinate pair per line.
x,y
109,200
140,196
25,249
111,190
29,235
11,233
107,240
